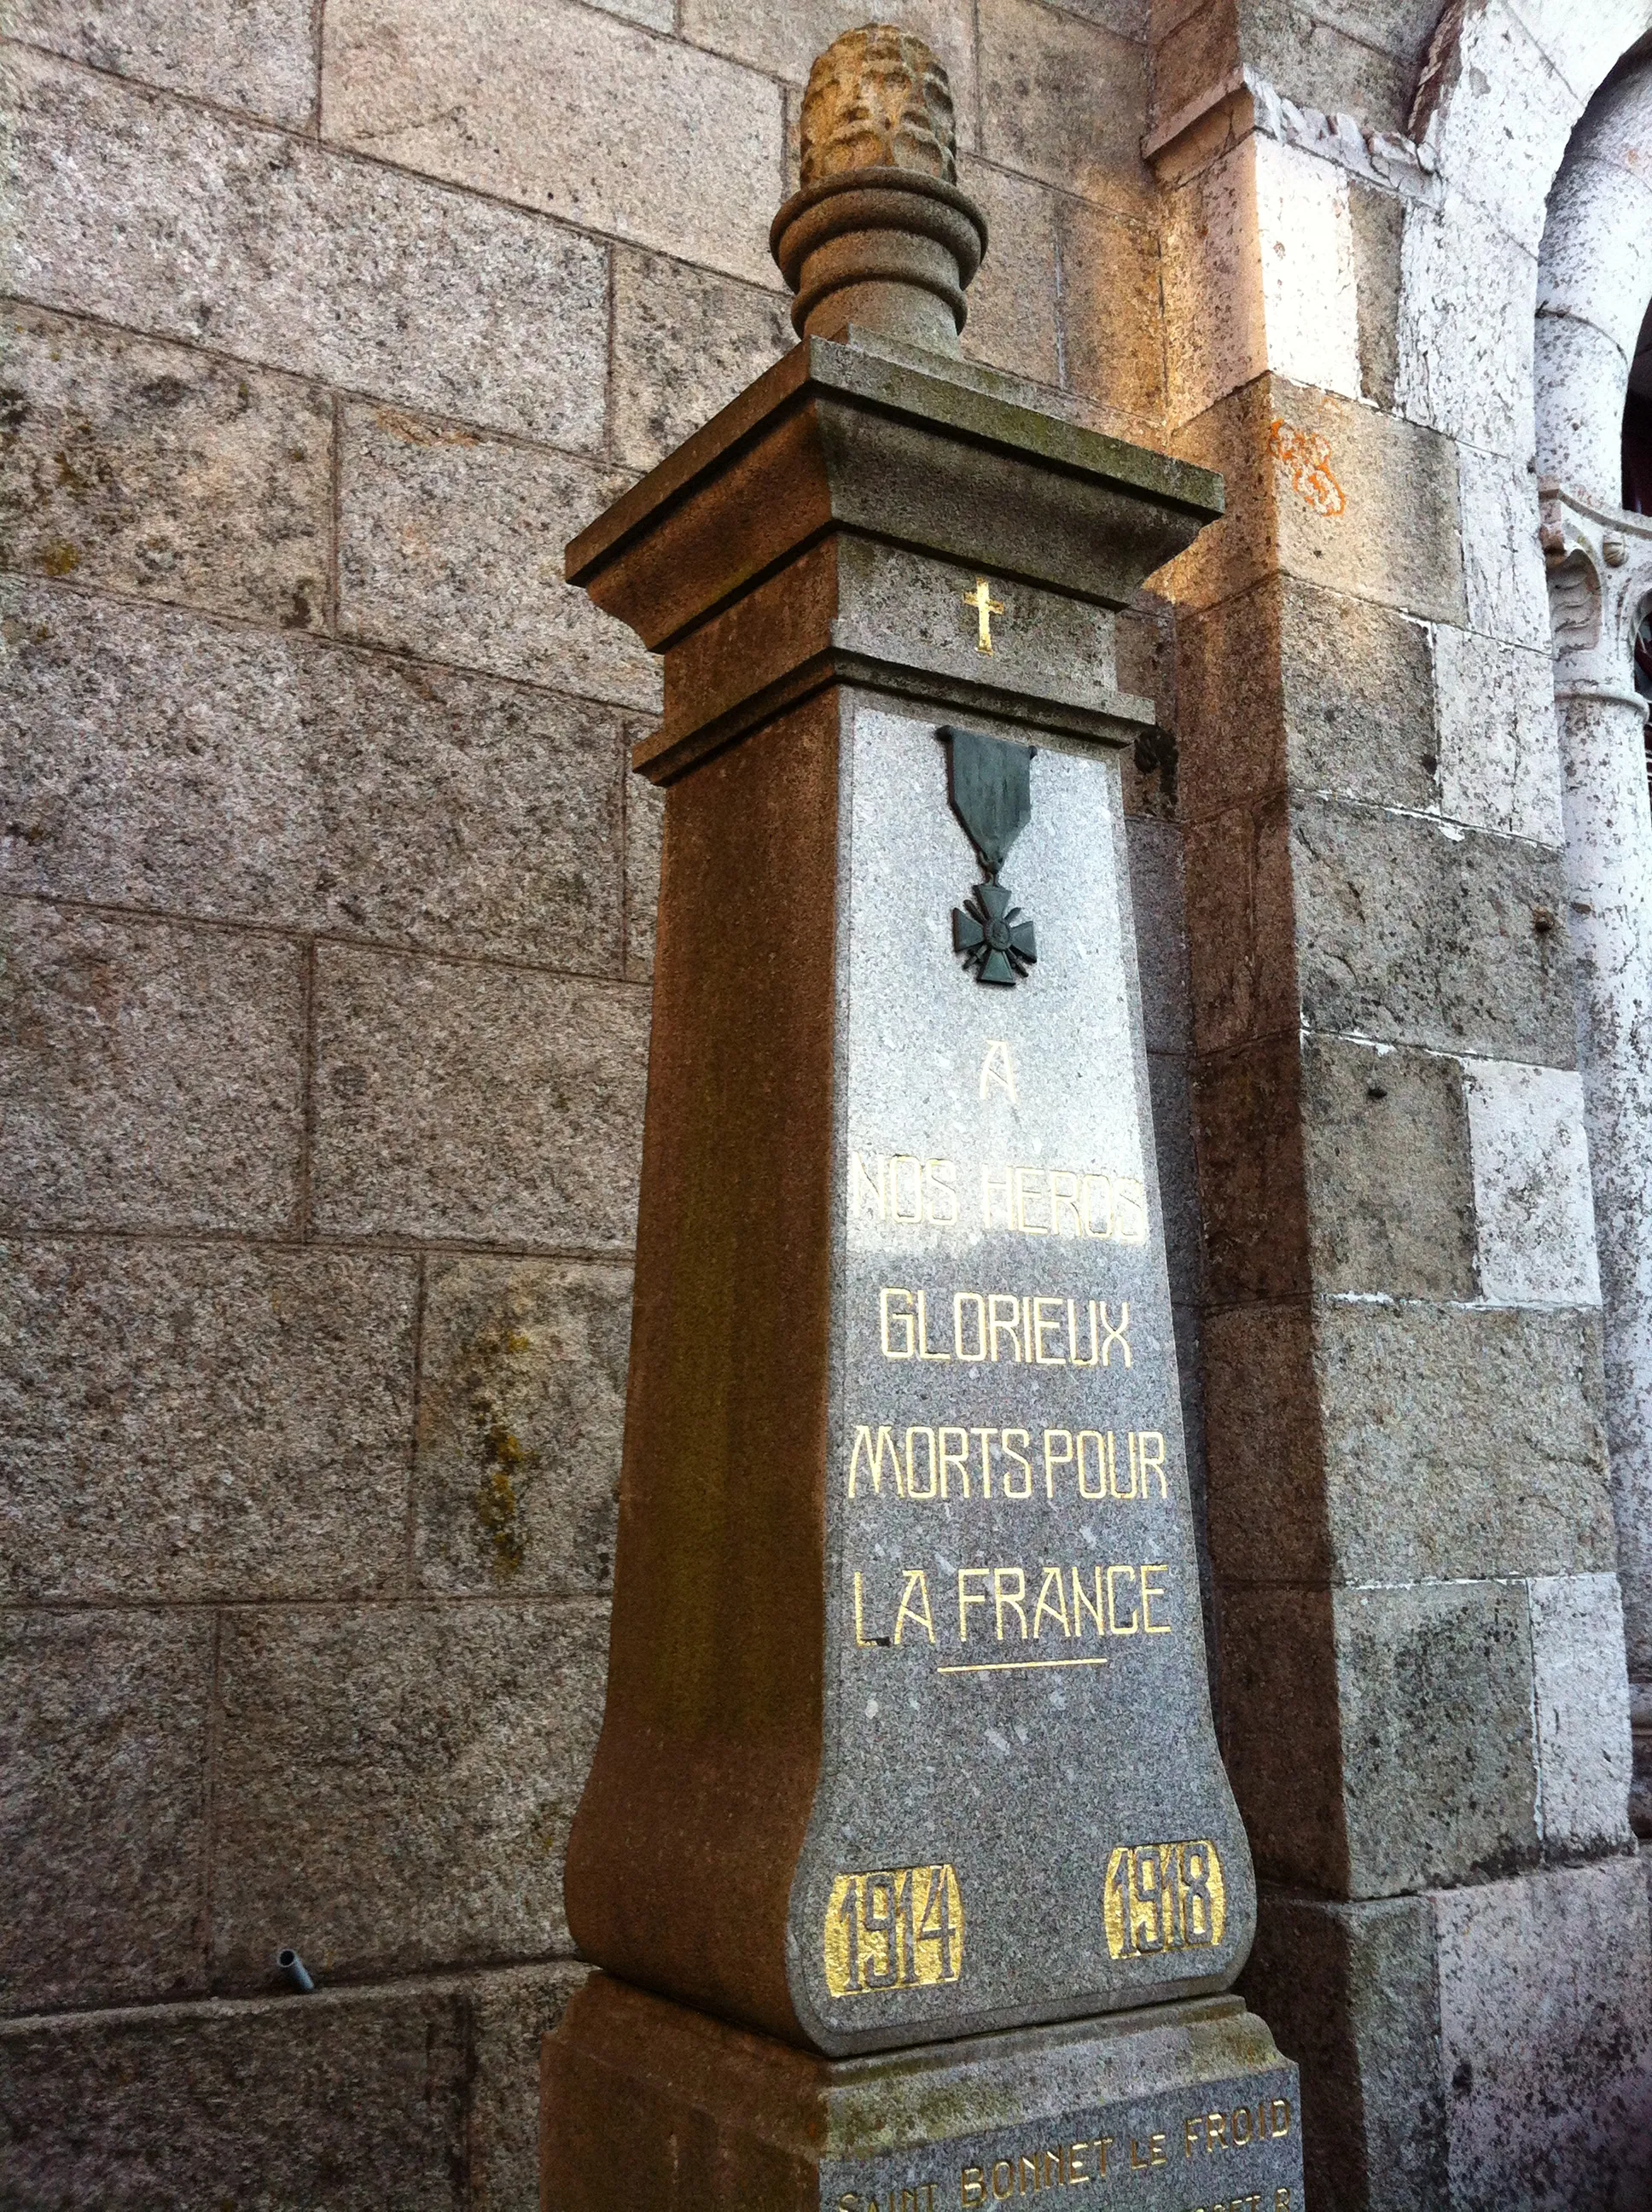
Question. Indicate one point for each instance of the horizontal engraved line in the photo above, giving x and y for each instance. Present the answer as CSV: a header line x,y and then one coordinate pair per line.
x,y
1017,1666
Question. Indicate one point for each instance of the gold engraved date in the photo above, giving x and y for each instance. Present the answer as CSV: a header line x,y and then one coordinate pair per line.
x,y
1164,1897
900,1930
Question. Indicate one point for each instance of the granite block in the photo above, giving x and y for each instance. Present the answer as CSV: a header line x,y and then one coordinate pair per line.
x,y
1545,2009
1505,592
1178,1185
186,1422
1241,926
1112,328
152,759
1377,1442
1351,1990
1439,1776
256,55
1391,1188
1065,100
521,1411
1281,1728
1418,933
351,2099
1340,70
165,217
1379,229
450,546
1358,710
510,2013
1157,898
1499,751
103,1808
160,471
1333,492
1248,1141
153,1077
644,825
1467,317
686,341
1581,1691
1534,1200
490,1104
1013,302
395,1783
532,108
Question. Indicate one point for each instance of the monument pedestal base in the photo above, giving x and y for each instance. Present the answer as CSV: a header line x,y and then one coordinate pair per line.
x,y
648,2105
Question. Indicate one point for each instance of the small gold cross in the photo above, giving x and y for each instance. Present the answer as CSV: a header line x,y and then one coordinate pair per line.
x,y
986,607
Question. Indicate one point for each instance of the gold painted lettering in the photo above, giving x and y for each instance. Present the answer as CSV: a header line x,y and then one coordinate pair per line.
x,y
1002,1323
1073,1360
1152,1462
998,1070
986,1435
1130,1211
1111,1336
1188,2127
1058,1452
1215,2130
1016,1485
897,1212
1008,1599
1077,2170
918,1614
1149,1590
1056,1612
1096,1437
997,1189
913,1490
874,1454
969,1597
1064,1201
956,1458
1081,1605
1024,1178
863,1189
866,1642
940,1193
1041,1327
1112,1627
1007,2167
895,1324
1279,2112
973,2190
1089,1206
924,1351
970,1299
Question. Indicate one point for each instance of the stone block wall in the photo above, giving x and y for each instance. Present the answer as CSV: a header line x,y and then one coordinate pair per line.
x,y
325,931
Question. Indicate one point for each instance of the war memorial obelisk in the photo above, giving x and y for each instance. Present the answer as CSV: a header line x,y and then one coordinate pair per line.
x,y
907,1857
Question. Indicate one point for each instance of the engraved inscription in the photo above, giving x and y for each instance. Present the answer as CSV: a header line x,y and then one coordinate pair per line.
x,y
1164,1897
899,1930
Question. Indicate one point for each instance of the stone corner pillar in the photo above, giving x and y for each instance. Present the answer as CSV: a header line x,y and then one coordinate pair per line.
x,y
907,1855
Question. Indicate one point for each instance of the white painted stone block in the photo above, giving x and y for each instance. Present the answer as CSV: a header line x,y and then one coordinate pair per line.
x,y
1500,133
1305,239
1581,1687
1504,579
1467,299
1499,754
1533,1204
1545,2020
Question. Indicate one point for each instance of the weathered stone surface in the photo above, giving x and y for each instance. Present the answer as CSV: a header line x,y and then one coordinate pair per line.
x,y
1369,1442
395,1784
153,759
1533,1203
510,2013
450,546
783,42
644,822
1157,901
686,341
1340,69
1247,1139
1112,332
521,1411
159,470
1379,229
1240,926
1288,682
1545,1995
493,1104
1581,1694
258,54
1015,300
532,108
1391,1190
1351,1990
1041,111
1332,492
1465,348
1408,1759
151,1076
1499,761
196,1421
103,1810
147,212
352,2098
1505,594
1429,936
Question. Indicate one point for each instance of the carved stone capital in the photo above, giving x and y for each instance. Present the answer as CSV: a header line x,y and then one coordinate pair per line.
x,y
1600,572
879,236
